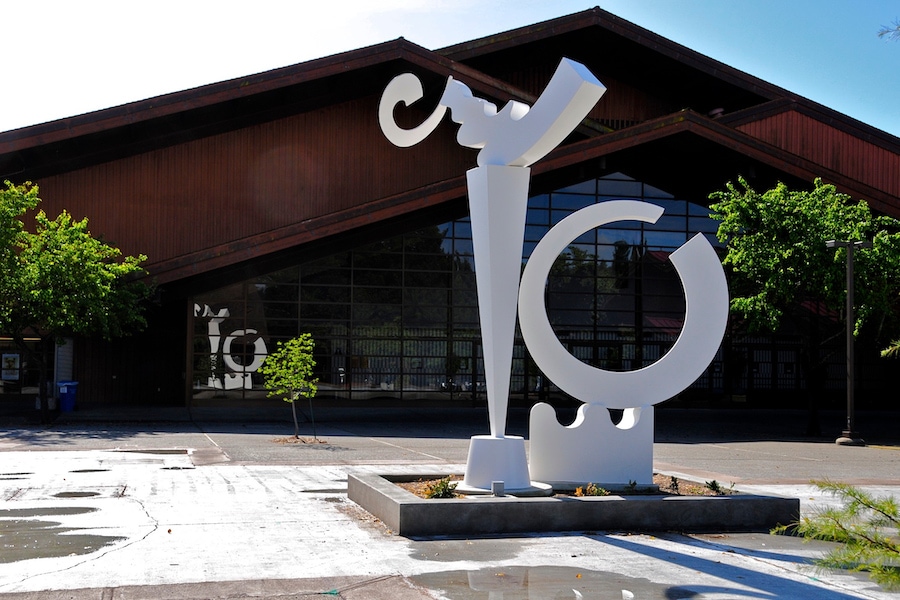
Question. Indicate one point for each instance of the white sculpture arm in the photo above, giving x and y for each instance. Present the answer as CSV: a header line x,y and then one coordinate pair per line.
x,y
516,136
405,88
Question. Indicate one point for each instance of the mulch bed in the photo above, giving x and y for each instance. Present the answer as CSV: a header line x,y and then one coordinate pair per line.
x,y
668,486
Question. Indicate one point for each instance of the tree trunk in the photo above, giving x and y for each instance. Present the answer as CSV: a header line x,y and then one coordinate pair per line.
x,y
44,375
294,412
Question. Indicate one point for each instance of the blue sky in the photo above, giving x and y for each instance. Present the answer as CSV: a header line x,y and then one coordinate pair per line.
x,y
63,58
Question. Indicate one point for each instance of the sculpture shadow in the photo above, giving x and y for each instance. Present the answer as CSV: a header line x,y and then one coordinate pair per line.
x,y
760,584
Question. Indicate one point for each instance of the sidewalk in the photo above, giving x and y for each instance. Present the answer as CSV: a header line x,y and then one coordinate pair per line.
x,y
225,509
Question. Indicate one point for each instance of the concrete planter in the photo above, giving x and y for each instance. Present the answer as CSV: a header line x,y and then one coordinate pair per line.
x,y
411,516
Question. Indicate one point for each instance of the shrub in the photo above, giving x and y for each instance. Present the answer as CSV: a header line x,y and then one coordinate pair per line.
x,y
591,490
862,527
442,488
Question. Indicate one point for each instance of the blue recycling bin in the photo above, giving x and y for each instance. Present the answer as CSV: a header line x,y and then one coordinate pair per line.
x,y
67,391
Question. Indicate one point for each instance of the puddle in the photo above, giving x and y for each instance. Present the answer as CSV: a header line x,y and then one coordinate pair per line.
x,y
23,537
24,513
76,494
546,583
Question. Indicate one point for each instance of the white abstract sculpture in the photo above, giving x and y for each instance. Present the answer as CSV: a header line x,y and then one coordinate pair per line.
x,y
592,449
509,141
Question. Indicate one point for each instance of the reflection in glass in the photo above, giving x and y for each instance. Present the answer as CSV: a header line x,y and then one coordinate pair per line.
x,y
398,318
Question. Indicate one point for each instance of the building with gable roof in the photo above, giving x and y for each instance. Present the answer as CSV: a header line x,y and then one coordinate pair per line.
x,y
272,204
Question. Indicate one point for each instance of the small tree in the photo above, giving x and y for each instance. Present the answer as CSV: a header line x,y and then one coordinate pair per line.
x,y
863,528
287,374
783,273
60,281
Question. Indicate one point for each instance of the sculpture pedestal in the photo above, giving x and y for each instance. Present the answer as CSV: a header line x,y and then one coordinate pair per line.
x,y
592,449
498,459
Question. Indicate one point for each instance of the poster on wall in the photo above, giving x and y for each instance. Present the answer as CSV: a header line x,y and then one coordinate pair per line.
x,y
10,367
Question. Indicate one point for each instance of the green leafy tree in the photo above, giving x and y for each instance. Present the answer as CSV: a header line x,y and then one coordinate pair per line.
x,y
783,275
867,528
287,373
60,281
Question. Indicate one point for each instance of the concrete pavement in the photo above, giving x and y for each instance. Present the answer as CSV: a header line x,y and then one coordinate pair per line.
x,y
100,506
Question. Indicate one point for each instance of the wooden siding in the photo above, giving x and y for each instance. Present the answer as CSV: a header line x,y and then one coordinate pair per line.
x,y
830,147
193,196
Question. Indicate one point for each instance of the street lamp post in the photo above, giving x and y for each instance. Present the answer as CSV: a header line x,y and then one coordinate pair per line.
x,y
849,436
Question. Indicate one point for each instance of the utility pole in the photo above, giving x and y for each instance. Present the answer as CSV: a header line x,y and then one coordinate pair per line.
x,y
849,436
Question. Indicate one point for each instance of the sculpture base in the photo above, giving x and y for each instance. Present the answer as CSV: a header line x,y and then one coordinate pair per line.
x,y
592,449
494,459
408,515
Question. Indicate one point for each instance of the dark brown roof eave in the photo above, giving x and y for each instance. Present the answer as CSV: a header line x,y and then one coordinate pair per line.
x,y
597,17
823,114
42,150
207,95
753,148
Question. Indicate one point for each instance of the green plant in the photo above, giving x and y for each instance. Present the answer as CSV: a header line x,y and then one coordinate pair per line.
x,y
287,372
442,488
779,263
673,484
591,490
715,487
863,528
58,280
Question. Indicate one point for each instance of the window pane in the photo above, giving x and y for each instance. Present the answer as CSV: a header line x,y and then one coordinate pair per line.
x,y
372,277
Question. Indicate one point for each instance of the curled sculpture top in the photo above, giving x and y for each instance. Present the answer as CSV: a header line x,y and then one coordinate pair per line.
x,y
515,136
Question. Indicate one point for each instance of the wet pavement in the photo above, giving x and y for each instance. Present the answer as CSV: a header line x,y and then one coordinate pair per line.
x,y
97,507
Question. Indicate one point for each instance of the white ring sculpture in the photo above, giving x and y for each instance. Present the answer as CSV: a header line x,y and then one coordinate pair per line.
x,y
706,315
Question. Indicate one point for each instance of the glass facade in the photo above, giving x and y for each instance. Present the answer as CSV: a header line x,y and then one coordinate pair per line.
x,y
398,318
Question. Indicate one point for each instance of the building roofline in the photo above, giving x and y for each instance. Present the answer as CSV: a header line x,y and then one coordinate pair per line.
x,y
712,130
820,113
449,60
597,17
205,95
44,149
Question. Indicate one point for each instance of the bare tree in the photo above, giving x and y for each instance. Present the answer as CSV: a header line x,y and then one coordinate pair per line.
x,y
891,32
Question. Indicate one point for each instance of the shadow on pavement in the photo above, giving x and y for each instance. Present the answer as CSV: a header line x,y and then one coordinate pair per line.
x,y
760,584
